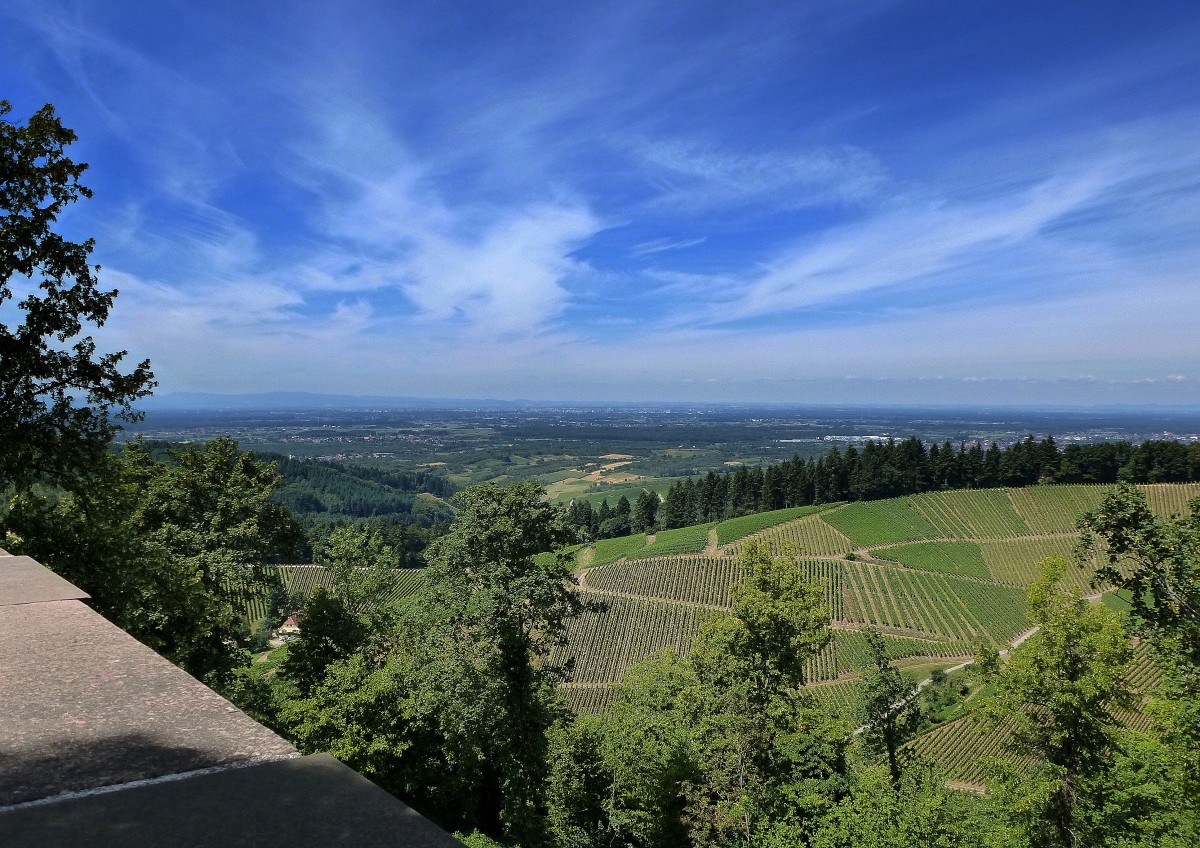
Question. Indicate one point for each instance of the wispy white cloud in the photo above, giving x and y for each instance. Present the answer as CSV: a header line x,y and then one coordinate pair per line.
x,y
662,245
907,245
692,174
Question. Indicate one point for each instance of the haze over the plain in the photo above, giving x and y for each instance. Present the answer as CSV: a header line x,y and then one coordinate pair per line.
x,y
817,202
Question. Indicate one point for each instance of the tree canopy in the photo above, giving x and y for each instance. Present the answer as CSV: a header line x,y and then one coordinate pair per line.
x,y
60,398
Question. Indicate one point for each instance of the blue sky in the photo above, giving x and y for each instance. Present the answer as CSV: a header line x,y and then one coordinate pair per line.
x,y
921,202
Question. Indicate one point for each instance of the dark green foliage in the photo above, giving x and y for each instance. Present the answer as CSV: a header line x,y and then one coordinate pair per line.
x,y
329,632
450,706
1157,562
715,751
1059,687
892,469
357,491
889,703
164,549
60,400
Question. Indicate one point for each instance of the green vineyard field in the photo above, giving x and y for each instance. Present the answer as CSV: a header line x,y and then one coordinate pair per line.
x,y
934,604
610,550
738,528
972,514
1014,562
811,536
685,540
603,644
698,580
1168,499
882,522
963,558
306,579
848,653
589,700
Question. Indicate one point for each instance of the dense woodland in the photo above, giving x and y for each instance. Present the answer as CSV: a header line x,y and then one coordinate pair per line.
x,y
887,470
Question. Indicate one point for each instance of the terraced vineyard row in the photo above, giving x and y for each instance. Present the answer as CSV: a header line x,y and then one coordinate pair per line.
x,y
1055,509
875,523
939,605
949,557
698,580
848,653
603,644
812,536
959,746
684,540
590,700
306,579
972,513
841,697
738,528
1014,562
1167,499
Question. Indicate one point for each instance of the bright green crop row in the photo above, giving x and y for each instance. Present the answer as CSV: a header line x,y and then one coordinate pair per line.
x,y
608,550
848,653
685,540
882,522
603,643
306,579
698,580
950,557
738,528
939,605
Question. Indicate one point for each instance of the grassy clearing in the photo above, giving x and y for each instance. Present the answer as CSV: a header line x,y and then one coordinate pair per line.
x,y
576,488
962,558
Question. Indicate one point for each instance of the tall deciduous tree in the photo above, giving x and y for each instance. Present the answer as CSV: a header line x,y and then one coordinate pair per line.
x,y
60,399
492,590
889,703
766,758
1058,688
1157,560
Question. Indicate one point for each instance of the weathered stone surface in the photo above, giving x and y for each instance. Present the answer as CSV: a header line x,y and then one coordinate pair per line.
x,y
26,581
87,705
